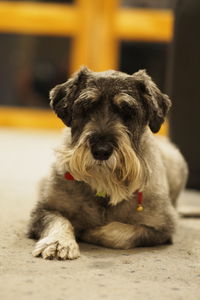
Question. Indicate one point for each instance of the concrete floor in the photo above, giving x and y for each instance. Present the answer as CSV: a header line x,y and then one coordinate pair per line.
x,y
166,272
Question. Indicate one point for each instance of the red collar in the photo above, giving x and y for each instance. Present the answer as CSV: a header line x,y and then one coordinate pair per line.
x,y
139,207
68,176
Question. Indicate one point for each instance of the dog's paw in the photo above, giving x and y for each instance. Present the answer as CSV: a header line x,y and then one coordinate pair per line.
x,y
50,248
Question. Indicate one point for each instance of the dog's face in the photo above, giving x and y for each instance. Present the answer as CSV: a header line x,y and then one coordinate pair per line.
x,y
108,112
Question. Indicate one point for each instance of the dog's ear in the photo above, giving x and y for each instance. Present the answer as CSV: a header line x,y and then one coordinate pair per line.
x,y
156,103
62,96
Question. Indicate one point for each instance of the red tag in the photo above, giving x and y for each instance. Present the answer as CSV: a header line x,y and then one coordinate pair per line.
x,y
68,176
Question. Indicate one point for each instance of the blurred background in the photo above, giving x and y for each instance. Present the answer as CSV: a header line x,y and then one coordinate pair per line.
x,y
43,42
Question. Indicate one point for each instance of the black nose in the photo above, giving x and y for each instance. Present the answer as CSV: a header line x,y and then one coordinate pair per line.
x,y
101,151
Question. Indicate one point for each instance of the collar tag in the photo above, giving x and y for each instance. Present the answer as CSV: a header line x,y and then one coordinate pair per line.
x,y
139,207
101,194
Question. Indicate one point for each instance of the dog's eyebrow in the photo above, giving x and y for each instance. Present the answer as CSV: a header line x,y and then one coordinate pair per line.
x,y
122,98
89,94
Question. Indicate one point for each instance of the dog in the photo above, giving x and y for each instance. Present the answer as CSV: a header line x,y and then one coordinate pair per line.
x,y
113,183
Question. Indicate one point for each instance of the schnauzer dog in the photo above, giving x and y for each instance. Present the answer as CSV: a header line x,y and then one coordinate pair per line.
x,y
113,183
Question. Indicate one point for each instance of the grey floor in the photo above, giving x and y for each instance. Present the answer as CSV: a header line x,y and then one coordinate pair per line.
x,y
166,272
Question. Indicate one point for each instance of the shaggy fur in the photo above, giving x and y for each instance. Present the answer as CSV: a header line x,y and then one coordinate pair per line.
x,y
108,148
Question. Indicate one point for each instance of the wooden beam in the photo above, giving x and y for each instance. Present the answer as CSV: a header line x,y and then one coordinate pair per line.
x,y
29,118
95,44
89,15
38,18
144,24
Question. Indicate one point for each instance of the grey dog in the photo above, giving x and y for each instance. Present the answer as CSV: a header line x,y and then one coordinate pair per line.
x,y
114,183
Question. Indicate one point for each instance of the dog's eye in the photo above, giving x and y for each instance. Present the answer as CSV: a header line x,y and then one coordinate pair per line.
x,y
125,105
82,106
126,110
86,101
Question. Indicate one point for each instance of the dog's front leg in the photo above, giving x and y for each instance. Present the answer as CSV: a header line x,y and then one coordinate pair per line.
x,y
57,239
125,236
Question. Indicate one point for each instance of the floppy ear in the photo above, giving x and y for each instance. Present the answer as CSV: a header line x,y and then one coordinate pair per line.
x,y
62,96
155,101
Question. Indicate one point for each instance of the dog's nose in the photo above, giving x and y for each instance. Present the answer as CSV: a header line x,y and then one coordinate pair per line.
x,y
102,151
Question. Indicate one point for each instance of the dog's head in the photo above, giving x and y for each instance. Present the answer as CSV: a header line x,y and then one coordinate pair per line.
x,y
108,112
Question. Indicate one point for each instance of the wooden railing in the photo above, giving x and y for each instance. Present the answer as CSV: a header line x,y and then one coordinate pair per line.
x,y
96,27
